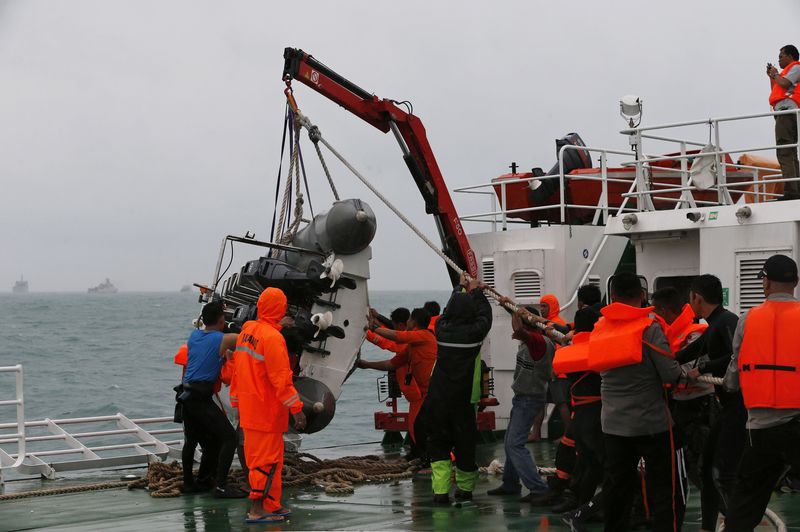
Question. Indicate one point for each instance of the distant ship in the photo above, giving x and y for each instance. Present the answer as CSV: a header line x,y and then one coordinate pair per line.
x,y
21,286
104,288
186,288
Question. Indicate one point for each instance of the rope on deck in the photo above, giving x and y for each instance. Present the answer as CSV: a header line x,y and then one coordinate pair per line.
x,y
66,490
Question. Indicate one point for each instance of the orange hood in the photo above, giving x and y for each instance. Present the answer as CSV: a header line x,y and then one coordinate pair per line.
x,y
272,306
555,308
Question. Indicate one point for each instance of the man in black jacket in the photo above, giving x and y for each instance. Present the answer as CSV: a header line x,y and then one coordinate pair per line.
x,y
454,390
725,444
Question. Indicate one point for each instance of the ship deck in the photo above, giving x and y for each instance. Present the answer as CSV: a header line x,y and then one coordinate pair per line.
x,y
403,505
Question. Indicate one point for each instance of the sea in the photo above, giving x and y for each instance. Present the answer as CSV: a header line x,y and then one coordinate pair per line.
x,y
99,354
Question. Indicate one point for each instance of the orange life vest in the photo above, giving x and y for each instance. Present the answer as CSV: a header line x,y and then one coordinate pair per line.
x,y
769,358
182,356
779,93
573,358
679,330
616,340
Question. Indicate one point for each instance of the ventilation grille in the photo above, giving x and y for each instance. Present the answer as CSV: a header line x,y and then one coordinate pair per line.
x,y
594,280
527,284
487,272
750,289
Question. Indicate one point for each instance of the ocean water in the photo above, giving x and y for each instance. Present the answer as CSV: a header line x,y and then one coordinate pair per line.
x,y
90,355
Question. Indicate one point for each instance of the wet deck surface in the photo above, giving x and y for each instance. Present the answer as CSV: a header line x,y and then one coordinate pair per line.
x,y
404,505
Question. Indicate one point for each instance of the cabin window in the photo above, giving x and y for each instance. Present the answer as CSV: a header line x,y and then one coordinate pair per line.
x,y
527,284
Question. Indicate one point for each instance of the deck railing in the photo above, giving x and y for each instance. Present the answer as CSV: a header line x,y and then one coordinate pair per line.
x,y
644,187
81,443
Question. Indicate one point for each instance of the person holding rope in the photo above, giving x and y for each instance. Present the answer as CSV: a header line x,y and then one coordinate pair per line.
x,y
416,354
455,389
712,351
262,379
765,366
629,348
531,376
204,421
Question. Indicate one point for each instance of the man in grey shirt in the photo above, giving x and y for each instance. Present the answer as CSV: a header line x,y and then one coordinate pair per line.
x,y
785,96
774,433
531,375
635,416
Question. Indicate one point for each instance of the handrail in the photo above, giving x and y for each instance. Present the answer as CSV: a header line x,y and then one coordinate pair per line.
x,y
19,402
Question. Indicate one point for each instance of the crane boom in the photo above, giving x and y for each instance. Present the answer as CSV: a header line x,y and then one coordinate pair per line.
x,y
385,115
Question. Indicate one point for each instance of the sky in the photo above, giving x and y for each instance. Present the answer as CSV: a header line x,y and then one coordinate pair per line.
x,y
136,134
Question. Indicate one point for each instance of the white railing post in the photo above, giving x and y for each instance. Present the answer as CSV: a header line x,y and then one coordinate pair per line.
x,y
19,403
493,208
604,185
562,206
503,206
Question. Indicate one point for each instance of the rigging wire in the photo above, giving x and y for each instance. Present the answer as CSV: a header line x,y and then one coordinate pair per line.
x,y
280,171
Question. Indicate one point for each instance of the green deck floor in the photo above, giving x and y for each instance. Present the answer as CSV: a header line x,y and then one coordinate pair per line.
x,y
403,505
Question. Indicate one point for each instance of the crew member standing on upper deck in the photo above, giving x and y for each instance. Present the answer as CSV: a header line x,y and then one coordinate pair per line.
x,y
766,366
785,96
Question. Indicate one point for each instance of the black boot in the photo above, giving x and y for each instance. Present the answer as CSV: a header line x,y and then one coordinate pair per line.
x,y
567,503
461,496
441,499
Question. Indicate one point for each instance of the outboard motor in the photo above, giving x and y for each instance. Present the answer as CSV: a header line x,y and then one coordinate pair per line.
x,y
573,160
324,276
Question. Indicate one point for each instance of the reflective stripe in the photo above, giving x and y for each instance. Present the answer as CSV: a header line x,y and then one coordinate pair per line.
x,y
250,352
290,401
462,346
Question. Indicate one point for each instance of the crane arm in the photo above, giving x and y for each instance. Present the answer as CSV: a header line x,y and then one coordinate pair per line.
x,y
385,115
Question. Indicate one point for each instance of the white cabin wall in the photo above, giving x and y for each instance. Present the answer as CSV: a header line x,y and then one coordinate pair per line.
x,y
667,258
556,252
720,247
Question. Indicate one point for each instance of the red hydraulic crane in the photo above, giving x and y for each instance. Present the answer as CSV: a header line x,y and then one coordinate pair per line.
x,y
385,115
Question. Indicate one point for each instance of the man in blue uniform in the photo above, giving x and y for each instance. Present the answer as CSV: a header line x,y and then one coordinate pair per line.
x,y
204,421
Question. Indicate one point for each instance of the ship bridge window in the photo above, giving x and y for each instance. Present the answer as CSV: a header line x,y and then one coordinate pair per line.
x,y
642,281
487,271
527,284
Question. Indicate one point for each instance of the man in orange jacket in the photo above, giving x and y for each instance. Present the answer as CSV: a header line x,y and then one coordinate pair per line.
x,y
784,96
263,383
764,365
417,358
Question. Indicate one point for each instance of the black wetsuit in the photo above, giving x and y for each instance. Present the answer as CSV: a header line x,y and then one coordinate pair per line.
x,y
726,440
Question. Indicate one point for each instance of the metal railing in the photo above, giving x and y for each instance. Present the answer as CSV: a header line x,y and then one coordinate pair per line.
x,y
645,186
7,462
81,443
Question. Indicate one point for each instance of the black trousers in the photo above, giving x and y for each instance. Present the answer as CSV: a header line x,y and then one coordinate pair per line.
x,y
721,458
768,454
665,497
206,424
589,448
452,427
786,133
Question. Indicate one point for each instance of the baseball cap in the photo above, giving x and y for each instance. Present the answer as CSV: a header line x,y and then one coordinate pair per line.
x,y
779,268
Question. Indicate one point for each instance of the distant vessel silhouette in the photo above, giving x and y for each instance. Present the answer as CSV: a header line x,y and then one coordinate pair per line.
x,y
21,286
105,287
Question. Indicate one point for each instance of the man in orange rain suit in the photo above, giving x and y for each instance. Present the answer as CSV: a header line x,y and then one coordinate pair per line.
x,y
266,396
417,358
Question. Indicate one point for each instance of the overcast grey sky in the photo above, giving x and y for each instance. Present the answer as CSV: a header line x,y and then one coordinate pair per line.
x,y
135,134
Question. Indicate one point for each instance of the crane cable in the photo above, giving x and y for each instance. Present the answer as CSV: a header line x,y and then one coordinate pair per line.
x,y
528,316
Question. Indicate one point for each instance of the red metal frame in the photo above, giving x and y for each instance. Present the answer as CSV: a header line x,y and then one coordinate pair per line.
x,y
418,155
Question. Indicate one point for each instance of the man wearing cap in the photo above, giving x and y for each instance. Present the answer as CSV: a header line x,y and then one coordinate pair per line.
x,y
765,365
